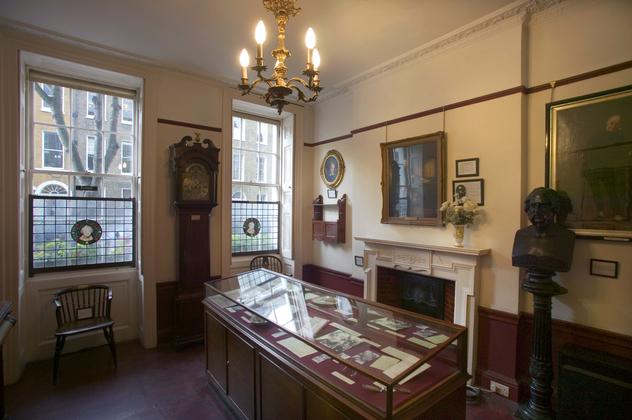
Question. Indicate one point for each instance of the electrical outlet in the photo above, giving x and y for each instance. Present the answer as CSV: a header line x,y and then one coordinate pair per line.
x,y
499,389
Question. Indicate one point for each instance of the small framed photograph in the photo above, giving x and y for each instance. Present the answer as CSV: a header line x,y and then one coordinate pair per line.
x,y
604,268
359,261
474,189
332,193
466,167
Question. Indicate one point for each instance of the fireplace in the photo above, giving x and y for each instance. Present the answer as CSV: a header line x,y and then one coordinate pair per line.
x,y
458,268
418,293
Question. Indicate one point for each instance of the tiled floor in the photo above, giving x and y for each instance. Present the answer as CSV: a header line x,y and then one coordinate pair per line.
x,y
148,384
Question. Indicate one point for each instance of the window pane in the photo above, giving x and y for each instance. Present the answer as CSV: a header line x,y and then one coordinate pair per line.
x,y
100,186
52,150
52,242
46,98
237,166
127,111
47,184
258,167
252,192
236,129
96,141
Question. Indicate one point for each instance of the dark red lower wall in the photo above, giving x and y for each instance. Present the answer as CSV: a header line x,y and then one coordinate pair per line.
x,y
165,314
567,333
504,347
165,309
497,349
332,279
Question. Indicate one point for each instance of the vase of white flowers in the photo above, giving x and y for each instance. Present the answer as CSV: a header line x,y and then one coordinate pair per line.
x,y
461,212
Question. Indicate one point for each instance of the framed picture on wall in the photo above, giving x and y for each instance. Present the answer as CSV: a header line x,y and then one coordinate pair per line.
x,y
589,159
466,167
332,169
474,189
413,185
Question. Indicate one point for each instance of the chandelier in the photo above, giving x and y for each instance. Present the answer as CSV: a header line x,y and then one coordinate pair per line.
x,y
279,86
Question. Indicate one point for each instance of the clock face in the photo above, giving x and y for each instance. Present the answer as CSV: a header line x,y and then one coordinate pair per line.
x,y
196,182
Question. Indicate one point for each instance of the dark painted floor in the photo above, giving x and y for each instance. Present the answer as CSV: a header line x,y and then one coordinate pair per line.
x,y
148,384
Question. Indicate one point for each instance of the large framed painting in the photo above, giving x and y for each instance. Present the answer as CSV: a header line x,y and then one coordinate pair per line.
x,y
589,157
413,185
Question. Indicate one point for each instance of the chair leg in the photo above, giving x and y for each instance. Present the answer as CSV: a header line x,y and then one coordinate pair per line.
x,y
109,336
59,346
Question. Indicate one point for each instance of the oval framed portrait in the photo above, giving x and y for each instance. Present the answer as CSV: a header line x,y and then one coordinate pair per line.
x,y
86,232
332,170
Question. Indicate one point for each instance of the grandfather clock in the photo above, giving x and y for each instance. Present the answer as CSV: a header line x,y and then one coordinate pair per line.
x,y
194,164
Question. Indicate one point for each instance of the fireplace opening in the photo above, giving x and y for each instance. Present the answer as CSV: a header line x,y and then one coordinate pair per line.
x,y
415,292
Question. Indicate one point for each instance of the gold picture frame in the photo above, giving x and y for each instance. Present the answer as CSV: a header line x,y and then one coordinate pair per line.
x,y
413,180
332,169
589,160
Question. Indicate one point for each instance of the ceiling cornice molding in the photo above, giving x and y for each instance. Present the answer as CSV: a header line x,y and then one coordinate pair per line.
x,y
521,8
15,29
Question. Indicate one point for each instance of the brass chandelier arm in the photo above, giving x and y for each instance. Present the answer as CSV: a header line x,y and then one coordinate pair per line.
x,y
302,97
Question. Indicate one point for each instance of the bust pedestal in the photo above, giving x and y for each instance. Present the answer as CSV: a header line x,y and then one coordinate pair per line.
x,y
543,288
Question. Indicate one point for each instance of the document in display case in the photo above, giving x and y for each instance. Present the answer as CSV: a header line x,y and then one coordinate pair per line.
x,y
270,337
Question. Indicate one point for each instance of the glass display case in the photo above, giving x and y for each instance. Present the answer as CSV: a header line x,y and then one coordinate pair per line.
x,y
383,361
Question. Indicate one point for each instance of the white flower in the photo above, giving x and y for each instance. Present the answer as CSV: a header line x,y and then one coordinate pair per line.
x,y
444,206
469,205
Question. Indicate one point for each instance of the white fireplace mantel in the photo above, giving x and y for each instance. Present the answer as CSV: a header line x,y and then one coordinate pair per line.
x,y
460,265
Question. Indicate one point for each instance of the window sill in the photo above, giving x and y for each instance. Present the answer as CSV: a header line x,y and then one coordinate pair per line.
x,y
86,276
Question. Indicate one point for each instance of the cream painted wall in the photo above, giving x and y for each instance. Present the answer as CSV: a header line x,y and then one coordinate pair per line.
x,y
588,35
507,134
490,130
487,62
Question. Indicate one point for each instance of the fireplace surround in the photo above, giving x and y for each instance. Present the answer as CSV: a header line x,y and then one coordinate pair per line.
x,y
459,266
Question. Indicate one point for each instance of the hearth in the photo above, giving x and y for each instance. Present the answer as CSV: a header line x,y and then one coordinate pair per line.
x,y
425,295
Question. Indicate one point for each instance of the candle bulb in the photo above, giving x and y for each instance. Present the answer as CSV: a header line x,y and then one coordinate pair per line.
x,y
244,60
316,57
260,38
310,42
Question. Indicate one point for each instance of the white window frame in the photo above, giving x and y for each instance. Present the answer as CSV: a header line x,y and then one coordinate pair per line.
x,y
88,138
131,157
123,120
46,108
44,149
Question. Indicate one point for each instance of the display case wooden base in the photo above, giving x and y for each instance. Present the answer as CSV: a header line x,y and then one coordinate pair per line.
x,y
261,380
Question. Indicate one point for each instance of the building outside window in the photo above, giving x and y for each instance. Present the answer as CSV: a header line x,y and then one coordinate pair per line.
x,y
261,169
238,167
85,168
90,107
52,150
90,152
127,111
49,89
256,156
127,157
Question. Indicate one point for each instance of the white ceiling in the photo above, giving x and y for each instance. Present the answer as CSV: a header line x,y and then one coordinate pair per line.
x,y
205,36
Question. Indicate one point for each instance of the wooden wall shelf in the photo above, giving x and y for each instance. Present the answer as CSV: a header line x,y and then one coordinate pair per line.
x,y
334,231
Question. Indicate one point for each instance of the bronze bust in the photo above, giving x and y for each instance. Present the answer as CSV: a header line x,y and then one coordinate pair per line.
x,y
545,245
